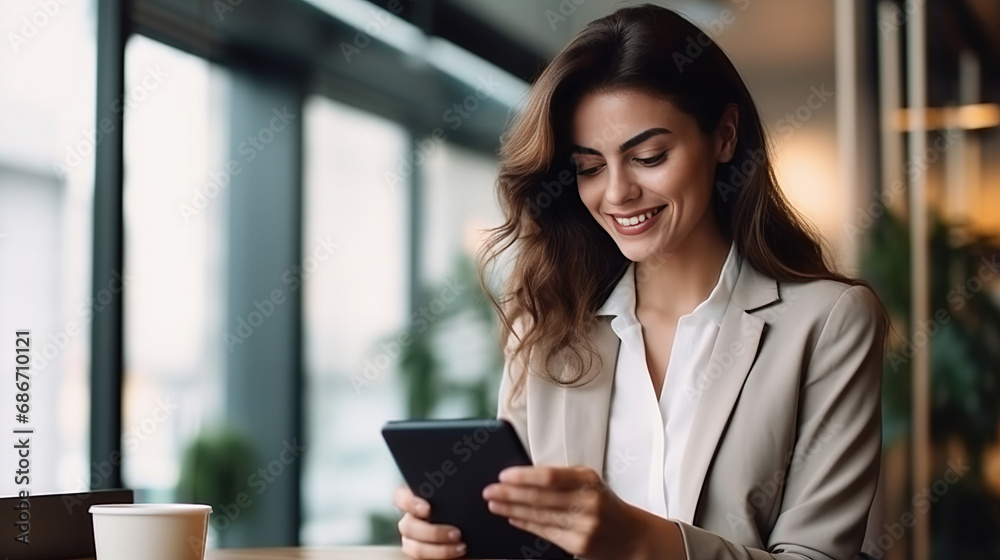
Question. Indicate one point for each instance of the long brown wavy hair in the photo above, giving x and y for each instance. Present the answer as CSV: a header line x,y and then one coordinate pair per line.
x,y
564,265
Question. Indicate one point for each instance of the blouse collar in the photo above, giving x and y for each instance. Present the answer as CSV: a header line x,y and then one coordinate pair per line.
x,y
621,303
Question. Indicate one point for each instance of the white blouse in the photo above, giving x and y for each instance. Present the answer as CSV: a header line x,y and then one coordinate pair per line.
x,y
646,438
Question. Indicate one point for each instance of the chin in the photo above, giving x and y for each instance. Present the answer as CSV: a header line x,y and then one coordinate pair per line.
x,y
636,254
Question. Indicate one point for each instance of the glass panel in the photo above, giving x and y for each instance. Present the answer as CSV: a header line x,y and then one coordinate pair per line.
x,y
46,193
354,303
175,222
459,204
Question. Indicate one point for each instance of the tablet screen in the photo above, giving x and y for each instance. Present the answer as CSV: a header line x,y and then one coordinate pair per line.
x,y
448,463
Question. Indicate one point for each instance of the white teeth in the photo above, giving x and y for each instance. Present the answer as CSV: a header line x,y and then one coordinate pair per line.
x,y
638,219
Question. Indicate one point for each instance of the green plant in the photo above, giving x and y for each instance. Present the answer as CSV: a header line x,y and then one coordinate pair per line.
x,y
421,361
214,469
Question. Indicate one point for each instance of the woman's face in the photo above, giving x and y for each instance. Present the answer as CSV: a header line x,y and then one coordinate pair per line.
x,y
645,170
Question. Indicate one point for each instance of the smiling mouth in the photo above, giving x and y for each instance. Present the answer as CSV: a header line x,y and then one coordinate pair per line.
x,y
638,218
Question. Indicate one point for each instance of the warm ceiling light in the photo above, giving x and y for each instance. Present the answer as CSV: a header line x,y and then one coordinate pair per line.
x,y
979,115
967,117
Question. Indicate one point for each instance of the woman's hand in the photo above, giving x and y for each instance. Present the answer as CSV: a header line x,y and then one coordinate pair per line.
x,y
423,540
572,508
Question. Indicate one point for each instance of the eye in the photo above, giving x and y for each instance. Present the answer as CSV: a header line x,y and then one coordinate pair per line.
x,y
589,171
652,160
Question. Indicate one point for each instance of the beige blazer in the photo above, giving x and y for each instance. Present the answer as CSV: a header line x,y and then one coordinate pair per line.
x,y
786,455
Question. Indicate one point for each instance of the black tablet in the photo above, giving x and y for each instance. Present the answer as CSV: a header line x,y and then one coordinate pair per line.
x,y
448,463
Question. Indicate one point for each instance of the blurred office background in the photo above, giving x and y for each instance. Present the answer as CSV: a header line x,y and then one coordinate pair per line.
x,y
243,235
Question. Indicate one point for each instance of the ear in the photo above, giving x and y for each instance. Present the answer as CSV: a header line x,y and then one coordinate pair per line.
x,y
726,133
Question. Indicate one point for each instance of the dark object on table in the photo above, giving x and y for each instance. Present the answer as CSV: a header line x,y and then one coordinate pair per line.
x,y
53,526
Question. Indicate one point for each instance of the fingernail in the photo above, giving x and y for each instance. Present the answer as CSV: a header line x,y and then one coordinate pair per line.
x,y
454,534
460,548
422,507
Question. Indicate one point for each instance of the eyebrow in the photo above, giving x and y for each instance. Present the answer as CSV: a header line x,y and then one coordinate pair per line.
x,y
630,143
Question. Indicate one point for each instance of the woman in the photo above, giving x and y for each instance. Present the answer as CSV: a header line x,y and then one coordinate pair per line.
x,y
689,376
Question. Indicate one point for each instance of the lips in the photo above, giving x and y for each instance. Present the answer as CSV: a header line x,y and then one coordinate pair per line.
x,y
637,223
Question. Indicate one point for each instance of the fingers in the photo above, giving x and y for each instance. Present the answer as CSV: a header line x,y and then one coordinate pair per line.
x,y
423,540
420,550
427,540
534,495
407,502
543,516
420,530
550,476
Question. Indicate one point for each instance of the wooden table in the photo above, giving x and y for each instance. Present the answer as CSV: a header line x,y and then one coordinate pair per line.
x,y
338,553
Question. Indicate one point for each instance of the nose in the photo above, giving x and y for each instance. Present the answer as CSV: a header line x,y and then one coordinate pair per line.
x,y
622,187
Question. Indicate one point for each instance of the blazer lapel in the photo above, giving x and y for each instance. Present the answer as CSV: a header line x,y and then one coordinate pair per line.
x,y
586,418
718,389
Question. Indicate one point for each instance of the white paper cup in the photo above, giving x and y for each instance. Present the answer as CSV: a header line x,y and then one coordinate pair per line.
x,y
150,531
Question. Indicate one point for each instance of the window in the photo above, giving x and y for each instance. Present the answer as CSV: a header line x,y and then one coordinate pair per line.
x,y
353,305
46,193
459,204
175,210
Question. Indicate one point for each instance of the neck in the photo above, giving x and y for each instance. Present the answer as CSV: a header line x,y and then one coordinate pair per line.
x,y
674,283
